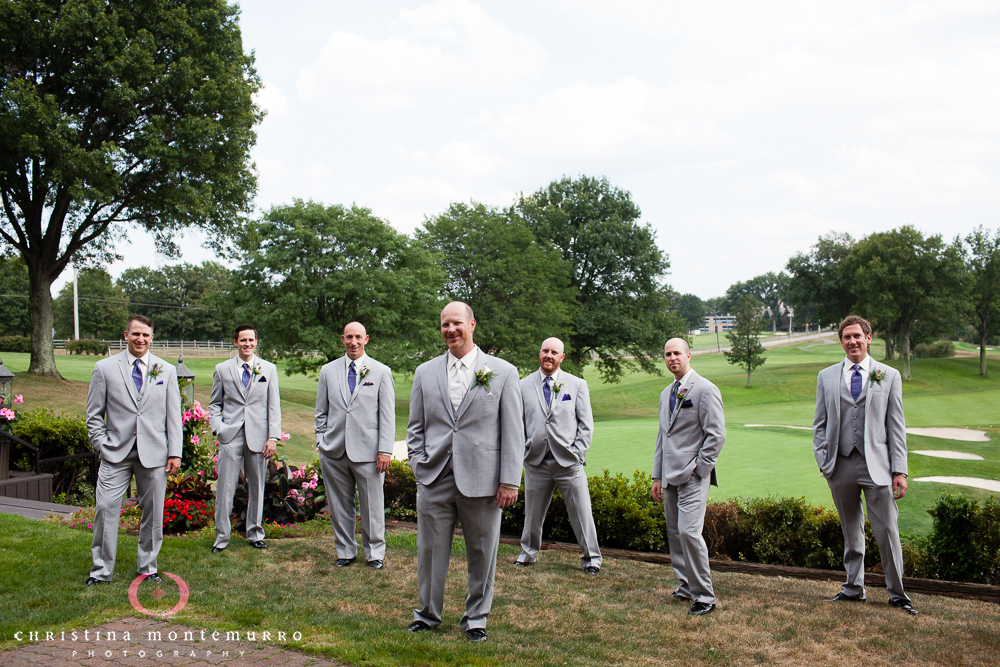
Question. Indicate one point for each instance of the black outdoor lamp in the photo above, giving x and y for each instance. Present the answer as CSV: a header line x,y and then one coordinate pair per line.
x,y
6,387
185,378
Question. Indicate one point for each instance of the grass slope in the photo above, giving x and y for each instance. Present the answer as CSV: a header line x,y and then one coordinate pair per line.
x,y
550,614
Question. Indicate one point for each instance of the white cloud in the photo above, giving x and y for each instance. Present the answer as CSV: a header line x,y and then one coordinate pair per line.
x,y
271,99
452,48
793,181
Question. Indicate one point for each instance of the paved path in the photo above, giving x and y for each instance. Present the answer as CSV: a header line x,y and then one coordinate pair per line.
x,y
140,650
34,509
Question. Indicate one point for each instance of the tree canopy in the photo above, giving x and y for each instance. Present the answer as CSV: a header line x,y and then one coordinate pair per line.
x,y
744,337
518,290
819,289
118,116
768,288
623,308
181,299
14,317
102,304
309,269
982,257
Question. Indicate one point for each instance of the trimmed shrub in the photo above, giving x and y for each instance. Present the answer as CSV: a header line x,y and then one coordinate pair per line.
x,y
87,346
189,486
939,350
400,492
965,542
15,344
56,435
291,495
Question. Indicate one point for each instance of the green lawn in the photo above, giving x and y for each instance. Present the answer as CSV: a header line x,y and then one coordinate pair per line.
x,y
754,462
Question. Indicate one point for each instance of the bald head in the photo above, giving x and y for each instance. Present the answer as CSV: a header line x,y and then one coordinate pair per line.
x,y
456,306
551,356
554,344
356,327
677,355
457,325
677,341
354,339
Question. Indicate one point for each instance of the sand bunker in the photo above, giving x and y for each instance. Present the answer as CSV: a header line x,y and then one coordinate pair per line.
x,y
976,482
798,428
946,454
966,434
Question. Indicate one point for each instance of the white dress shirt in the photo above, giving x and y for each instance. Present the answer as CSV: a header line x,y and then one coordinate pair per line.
x,y
461,373
359,363
684,378
144,366
554,381
865,365
250,366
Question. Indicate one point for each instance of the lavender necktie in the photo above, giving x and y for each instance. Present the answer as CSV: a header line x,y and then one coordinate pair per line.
x,y
856,383
246,375
673,395
352,377
137,376
546,391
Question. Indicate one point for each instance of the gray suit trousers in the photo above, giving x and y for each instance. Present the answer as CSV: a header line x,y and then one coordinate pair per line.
x,y
341,477
112,485
684,507
233,456
850,477
440,506
539,483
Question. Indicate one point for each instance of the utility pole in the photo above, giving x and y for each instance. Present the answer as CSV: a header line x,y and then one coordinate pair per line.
x,y
76,307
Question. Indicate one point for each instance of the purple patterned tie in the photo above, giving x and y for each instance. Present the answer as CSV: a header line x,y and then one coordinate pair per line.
x,y
352,378
546,390
246,375
856,383
137,376
673,395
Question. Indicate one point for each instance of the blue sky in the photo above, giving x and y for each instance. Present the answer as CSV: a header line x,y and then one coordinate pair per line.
x,y
743,130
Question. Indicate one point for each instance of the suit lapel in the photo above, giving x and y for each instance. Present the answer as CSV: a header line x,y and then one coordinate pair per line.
x,y
234,368
677,405
482,361
150,380
442,377
838,381
357,383
871,387
253,378
127,377
539,380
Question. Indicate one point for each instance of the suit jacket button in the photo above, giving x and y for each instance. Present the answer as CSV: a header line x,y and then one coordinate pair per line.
x,y
456,431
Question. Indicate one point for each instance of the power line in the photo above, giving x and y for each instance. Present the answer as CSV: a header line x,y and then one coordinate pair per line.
x,y
128,302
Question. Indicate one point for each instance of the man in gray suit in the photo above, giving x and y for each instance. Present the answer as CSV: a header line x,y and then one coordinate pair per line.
x,y
355,425
692,432
134,421
558,428
245,415
465,442
859,439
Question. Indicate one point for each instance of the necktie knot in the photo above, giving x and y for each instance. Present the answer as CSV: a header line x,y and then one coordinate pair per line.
x,y
857,368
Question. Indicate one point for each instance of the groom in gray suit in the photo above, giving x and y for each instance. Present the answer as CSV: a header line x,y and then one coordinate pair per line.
x,y
245,414
355,425
692,432
859,439
134,421
465,442
558,428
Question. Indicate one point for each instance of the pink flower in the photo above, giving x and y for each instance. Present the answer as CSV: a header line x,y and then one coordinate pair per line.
x,y
285,436
7,414
19,399
195,440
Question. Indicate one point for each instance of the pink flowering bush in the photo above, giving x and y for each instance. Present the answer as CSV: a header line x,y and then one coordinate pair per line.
x,y
7,415
196,455
291,495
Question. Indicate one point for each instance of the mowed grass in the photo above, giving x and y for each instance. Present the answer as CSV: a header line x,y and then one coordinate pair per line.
x,y
550,614
754,461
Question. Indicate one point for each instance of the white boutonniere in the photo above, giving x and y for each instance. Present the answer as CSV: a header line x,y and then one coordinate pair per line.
x,y
364,372
256,370
155,371
681,393
557,387
484,377
875,377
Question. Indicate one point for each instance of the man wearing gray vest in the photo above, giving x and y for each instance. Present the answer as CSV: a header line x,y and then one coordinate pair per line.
x,y
558,428
859,439
134,421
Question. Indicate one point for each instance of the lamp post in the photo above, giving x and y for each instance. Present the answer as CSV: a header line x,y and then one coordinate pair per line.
x,y
185,380
6,387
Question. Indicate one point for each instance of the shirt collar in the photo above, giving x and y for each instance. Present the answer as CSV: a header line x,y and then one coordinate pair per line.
x,y
469,360
865,364
359,363
555,376
685,377
252,362
144,358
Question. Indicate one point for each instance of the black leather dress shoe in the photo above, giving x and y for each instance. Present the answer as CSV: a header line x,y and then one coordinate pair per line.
x,y
343,562
905,605
216,550
154,577
518,563
677,595
844,597
91,581
701,608
376,564
591,569
418,626
476,635
259,544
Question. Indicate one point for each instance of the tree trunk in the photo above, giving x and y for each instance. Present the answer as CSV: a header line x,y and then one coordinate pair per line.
x,y
982,357
888,346
904,350
43,360
748,378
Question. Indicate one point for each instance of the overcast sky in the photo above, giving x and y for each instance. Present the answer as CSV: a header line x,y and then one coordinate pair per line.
x,y
743,130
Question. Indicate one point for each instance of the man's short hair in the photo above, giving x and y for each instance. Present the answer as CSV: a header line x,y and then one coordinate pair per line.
x,y
141,319
245,327
850,320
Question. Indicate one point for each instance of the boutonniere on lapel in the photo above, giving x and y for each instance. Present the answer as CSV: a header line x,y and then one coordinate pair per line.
x,y
255,370
875,377
155,371
557,387
484,377
364,372
682,398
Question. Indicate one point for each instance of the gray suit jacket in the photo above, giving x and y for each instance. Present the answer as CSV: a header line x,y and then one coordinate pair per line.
x,y
362,424
117,416
257,408
567,425
885,427
484,438
689,441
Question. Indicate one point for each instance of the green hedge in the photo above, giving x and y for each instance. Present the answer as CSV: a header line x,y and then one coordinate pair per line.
x,y
15,344
964,544
87,346
56,435
939,350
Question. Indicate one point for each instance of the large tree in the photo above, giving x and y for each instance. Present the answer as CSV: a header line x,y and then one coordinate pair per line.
x,y
14,317
103,307
901,276
768,288
744,338
518,290
309,269
181,299
623,315
983,271
819,289
692,310
117,116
